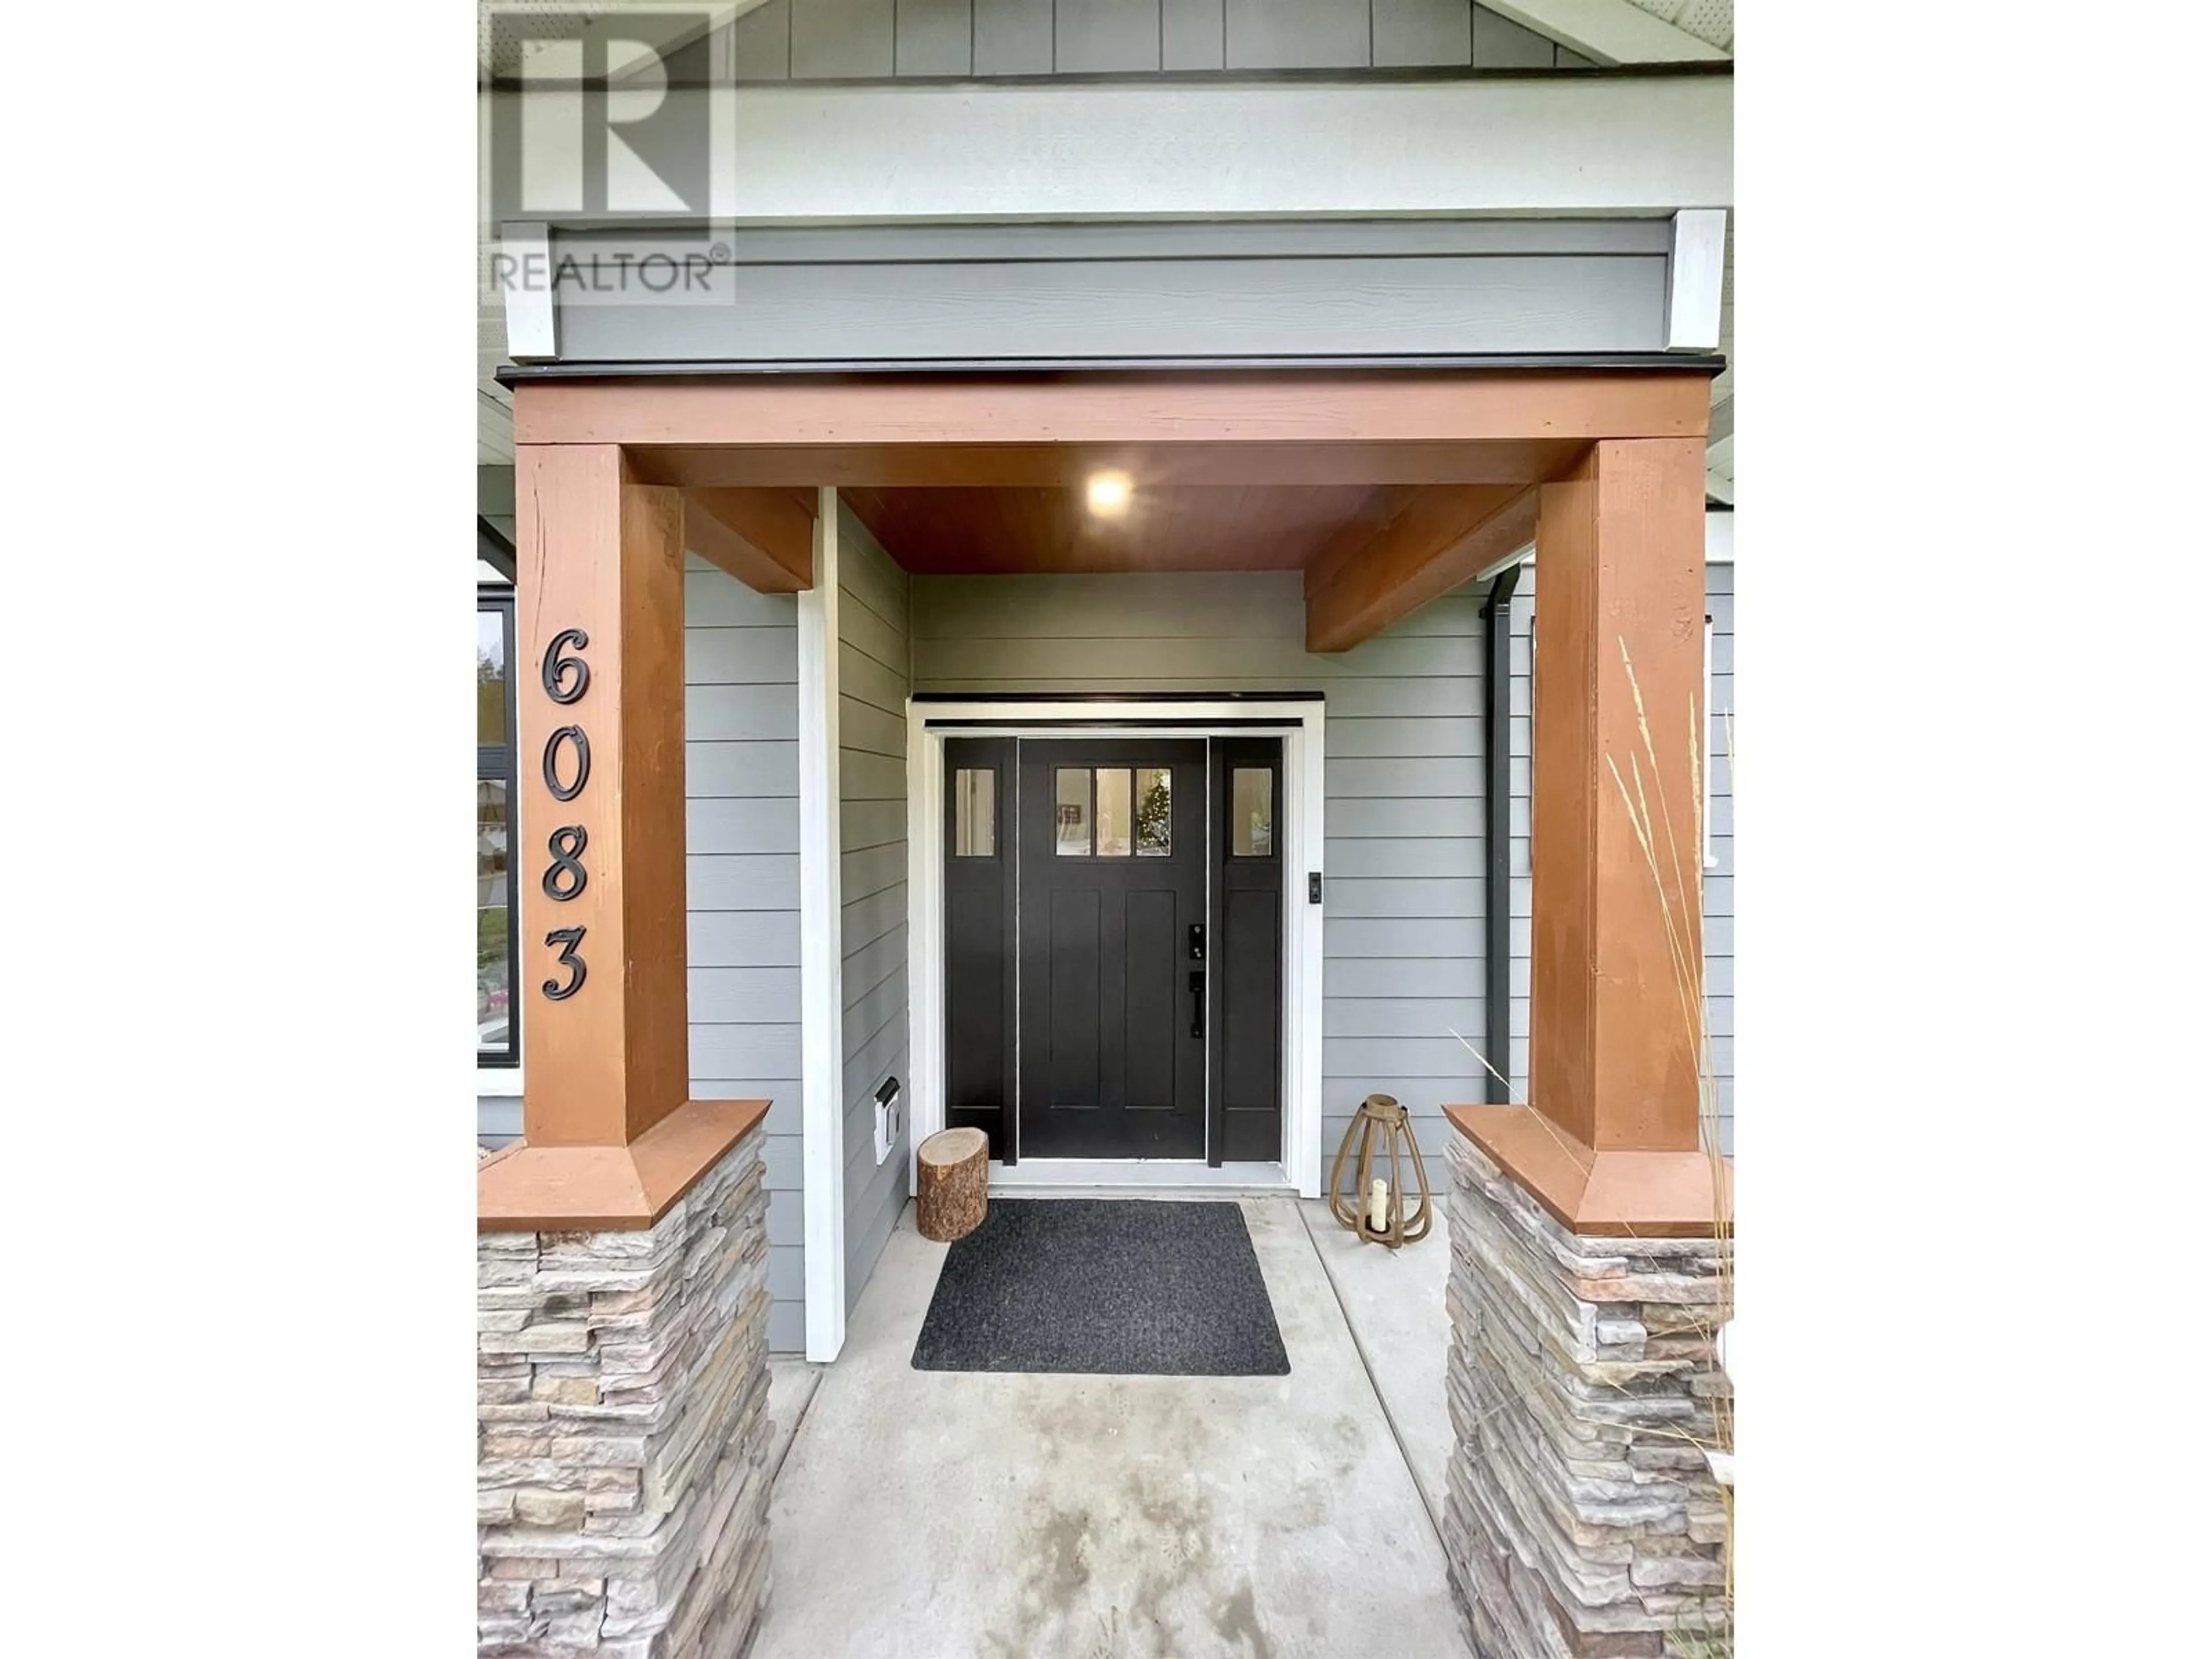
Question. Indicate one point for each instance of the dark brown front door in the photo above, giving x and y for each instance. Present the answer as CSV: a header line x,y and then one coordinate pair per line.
x,y
1113,850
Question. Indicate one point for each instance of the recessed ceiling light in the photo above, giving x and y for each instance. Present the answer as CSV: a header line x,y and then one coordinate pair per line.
x,y
1108,494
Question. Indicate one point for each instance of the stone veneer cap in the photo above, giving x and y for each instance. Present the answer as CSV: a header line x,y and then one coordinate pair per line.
x,y
525,1188
1605,1194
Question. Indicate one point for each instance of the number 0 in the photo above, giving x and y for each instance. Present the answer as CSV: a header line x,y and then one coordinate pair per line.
x,y
574,737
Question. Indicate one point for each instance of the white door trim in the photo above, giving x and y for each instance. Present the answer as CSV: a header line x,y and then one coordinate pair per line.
x,y
1302,724
821,955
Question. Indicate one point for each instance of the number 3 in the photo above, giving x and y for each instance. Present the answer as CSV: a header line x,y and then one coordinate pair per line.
x,y
568,939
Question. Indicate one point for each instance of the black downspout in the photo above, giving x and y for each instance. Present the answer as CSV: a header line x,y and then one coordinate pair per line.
x,y
1497,833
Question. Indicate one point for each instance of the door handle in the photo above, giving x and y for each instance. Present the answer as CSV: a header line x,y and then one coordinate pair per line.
x,y
1197,1003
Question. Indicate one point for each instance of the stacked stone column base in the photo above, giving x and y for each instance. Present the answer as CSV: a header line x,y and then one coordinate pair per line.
x,y
622,1473
1581,1519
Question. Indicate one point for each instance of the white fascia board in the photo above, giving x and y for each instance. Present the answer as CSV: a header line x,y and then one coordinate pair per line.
x,y
1609,31
815,154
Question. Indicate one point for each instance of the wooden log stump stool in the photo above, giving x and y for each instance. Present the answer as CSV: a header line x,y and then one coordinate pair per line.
x,y
952,1168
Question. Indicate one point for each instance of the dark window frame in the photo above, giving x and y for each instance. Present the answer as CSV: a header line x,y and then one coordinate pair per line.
x,y
496,764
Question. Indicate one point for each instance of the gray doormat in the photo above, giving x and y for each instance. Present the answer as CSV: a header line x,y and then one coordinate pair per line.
x,y
1120,1287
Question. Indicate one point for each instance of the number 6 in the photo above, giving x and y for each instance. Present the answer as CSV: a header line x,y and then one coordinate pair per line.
x,y
566,678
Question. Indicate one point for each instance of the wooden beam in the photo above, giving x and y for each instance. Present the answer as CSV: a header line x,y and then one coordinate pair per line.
x,y
1046,464
764,538
863,412
1437,539
600,700
1358,532
1616,955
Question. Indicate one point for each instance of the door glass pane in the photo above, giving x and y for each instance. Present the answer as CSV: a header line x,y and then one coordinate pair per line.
x,y
1071,795
1251,811
1113,814
494,992
1154,829
974,812
491,675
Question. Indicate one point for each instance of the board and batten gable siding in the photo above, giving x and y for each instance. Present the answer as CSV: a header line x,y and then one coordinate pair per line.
x,y
886,40
1720,873
741,815
871,688
1402,777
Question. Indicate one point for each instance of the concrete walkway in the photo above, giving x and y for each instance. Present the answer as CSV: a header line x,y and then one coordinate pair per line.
x,y
930,1515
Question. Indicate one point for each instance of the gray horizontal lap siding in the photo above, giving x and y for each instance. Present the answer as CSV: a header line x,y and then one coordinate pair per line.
x,y
872,682
1720,886
884,40
1402,777
1720,873
1030,292
741,838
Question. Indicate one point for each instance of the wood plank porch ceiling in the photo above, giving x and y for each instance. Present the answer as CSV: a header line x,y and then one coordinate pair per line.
x,y
1387,490
958,531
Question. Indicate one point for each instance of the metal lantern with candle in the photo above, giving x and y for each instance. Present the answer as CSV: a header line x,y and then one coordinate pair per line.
x,y
1376,1208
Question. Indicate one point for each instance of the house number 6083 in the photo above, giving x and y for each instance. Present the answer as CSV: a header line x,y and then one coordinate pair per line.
x,y
566,678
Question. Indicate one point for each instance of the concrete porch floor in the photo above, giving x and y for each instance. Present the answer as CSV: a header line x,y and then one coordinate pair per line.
x,y
927,1515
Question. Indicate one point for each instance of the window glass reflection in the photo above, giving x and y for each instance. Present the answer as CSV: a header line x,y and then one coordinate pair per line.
x,y
1252,811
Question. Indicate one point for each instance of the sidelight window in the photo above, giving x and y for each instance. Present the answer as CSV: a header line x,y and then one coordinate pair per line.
x,y
1252,811
974,812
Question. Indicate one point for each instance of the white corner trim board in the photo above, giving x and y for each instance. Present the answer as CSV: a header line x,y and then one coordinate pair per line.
x,y
1303,727
821,955
522,271
1696,266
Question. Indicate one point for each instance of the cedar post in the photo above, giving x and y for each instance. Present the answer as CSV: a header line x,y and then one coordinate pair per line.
x,y
610,1137
1617,964
599,585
